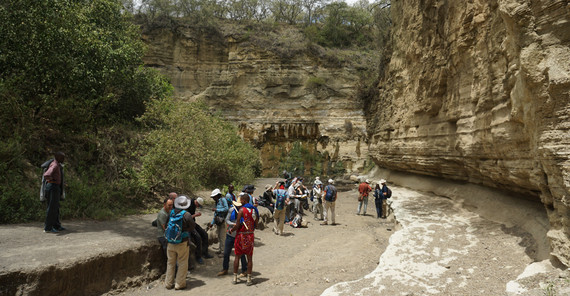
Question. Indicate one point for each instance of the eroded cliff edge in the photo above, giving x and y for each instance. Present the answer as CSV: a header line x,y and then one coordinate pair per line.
x,y
276,88
479,91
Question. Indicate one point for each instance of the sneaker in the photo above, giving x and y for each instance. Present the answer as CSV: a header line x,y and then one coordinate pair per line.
x,y
179,288
59,228
223,272
208,256
324,223
53,230
235,279
249,281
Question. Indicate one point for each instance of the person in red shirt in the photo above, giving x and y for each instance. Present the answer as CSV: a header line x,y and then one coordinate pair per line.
x,y
53,193
247,219
363,192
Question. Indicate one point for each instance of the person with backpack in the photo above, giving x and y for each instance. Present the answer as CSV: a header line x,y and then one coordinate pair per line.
x,y
386,193
281,202
329,202
246,221
317,194
52,191
178,229
363,191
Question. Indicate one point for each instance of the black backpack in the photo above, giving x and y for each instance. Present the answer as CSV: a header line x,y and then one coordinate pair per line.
x,y
388,192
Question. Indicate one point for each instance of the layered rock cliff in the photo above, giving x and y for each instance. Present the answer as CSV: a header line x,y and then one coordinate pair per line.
x,y
276,95
479,91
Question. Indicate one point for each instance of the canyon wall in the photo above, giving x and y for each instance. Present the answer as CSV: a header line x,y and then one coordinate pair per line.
x,y
479,91
275,97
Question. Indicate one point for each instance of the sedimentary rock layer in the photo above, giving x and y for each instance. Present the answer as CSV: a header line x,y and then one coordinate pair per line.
x,y
479,91
274,99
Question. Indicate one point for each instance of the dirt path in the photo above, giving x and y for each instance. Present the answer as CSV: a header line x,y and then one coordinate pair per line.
x,y
305,261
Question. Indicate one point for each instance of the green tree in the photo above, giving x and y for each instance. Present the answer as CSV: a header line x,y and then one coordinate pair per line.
x,y
287,11
71,76
188,148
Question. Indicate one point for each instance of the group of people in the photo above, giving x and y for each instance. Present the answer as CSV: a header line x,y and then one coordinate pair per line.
x,y
235,219
291,195
381,194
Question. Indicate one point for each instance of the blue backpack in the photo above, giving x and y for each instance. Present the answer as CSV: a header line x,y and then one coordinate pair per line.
x,y
330,193
280,199
173,232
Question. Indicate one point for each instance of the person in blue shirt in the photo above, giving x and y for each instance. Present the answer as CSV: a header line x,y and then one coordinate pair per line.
x,y
219,219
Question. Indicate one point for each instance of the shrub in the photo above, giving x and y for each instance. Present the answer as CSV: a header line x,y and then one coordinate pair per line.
x,y
189,148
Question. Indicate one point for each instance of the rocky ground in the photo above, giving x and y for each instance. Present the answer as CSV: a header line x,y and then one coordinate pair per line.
x,y
437,248
305,261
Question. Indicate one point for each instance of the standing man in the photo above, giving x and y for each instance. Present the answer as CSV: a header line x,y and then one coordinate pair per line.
x,y
295,204
318,199
53,192
199,236
385,196
162,220
363,192
246,221
219,219
329,202
281,202
177,250
230,196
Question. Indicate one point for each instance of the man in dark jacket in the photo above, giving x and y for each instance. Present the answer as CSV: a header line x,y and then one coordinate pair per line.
x,y
199,236
178,252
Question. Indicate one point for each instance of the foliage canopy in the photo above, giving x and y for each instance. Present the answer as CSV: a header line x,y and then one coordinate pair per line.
x,y
72,80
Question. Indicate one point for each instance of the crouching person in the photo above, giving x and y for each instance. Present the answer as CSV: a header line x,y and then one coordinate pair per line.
x,y
179,226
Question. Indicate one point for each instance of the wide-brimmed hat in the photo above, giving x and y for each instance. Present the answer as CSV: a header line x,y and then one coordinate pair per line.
x,y
382,181
182,202
368,181
331,181
236,203
267,187
200,201
248,188
215,192
318,182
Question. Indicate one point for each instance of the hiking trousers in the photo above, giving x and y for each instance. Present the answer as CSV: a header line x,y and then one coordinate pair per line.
x,y
221,233
329,206
378,204
177,254
364,202
317,207
53,194
279,219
